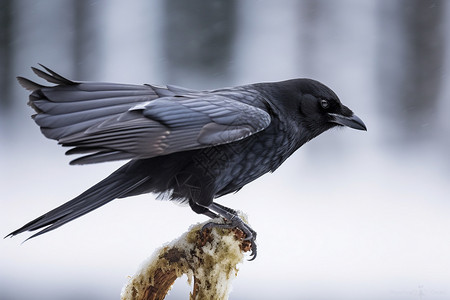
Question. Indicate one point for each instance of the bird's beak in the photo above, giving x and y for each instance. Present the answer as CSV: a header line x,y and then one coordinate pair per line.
x,y
353,121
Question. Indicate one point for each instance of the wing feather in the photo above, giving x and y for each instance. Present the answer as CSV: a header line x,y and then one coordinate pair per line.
x,y
172,124
108,121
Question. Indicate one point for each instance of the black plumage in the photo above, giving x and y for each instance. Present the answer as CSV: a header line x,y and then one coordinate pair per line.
x,y
191,145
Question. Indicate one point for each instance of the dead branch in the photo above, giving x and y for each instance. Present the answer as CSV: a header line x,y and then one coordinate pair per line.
x,y
208,257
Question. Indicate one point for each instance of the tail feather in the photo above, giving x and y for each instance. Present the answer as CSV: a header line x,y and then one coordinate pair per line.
x,y
100,156
117,185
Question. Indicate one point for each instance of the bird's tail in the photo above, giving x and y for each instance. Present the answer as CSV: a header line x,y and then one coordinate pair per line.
x,y
119,184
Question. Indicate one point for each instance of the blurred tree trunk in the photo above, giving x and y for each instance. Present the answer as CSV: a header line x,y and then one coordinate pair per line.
x,y
6,55
86,40
198,40
311,13
424,38
410,83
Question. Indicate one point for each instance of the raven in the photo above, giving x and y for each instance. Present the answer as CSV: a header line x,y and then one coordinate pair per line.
x,y
191,146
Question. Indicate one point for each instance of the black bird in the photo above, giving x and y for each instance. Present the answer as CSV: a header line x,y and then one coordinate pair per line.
x,y
192,146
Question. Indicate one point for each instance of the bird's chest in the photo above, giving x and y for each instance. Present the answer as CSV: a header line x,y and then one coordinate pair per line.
x,y
242,162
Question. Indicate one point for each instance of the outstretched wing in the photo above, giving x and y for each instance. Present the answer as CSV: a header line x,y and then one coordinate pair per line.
x,y
107,121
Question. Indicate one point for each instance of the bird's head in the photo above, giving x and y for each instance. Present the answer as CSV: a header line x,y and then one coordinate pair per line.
x,y
316,108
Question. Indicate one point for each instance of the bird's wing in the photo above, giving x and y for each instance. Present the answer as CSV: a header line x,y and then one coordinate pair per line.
x,y
167,125
106,121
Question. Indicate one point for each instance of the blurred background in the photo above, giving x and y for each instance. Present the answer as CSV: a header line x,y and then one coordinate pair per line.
x,y
352,215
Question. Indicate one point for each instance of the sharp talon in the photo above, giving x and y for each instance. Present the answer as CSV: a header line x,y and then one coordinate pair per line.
x,y
232,220
253,254
250,234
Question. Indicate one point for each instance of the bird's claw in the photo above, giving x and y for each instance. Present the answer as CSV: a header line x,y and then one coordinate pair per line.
x,y
236,222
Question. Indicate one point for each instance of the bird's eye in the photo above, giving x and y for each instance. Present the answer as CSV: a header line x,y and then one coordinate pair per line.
x,y
324,103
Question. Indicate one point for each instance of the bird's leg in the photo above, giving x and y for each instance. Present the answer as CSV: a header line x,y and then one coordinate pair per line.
x,y
210,214
202,210
233,221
